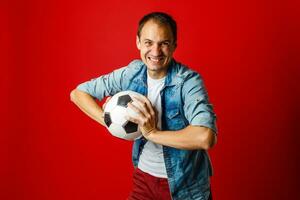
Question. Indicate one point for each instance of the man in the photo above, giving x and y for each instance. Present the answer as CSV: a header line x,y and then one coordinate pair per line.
x,y
176,119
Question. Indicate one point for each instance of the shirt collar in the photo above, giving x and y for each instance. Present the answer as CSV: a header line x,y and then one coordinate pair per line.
x,y
172,77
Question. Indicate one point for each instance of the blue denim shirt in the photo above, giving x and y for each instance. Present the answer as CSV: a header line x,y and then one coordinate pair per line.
x,y
184,102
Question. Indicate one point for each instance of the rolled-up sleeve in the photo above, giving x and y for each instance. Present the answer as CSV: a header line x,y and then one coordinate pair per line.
x,y
198,111
105,85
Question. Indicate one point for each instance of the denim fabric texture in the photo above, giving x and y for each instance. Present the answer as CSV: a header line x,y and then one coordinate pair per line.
x,y
184,102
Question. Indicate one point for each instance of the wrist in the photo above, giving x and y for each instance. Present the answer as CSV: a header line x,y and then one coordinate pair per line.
x,y
150,134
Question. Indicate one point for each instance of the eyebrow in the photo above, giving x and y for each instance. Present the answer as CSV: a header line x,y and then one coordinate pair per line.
x,y
159,42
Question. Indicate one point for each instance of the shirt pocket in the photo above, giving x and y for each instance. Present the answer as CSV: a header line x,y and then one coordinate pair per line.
x,y
175,120
172,113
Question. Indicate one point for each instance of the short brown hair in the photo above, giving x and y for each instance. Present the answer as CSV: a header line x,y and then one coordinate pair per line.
x,y
161,18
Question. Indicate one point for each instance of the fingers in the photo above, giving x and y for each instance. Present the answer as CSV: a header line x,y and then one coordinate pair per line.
x,y
144,115
107,99
137,109
146,104
142,112
132,119
142,106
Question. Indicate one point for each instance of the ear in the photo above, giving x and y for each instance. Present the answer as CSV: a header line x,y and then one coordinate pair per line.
x,y
138,43
175,45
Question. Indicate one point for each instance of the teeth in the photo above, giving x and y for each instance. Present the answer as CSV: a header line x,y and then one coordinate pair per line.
x,y
154,59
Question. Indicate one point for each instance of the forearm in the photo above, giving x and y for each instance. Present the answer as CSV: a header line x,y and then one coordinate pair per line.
x,y
189,138
88,105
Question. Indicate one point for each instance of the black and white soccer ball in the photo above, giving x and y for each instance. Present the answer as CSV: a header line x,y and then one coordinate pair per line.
x,y
115,113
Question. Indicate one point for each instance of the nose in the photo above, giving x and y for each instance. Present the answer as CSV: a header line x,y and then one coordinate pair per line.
x,y
156,50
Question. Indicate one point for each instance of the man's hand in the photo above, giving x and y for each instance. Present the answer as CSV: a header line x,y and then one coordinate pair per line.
x,y
145,115
88,105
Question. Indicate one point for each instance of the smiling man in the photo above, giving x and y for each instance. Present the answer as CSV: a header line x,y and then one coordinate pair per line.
x,y
176,119
156,43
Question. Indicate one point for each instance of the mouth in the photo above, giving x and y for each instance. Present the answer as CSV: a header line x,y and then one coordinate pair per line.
x,y
155,59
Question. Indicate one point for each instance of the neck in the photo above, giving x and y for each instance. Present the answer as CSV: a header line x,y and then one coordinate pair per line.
x,y
157,74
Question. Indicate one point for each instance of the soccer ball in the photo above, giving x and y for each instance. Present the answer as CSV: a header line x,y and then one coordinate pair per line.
x,y
115,112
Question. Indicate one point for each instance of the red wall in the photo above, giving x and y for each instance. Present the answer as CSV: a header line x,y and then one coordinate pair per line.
x,y
247,52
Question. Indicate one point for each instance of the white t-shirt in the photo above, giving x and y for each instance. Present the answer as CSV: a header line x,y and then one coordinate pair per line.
x,y
152,159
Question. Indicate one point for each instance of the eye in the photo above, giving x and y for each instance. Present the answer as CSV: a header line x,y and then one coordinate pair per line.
x,y
148,43
165,44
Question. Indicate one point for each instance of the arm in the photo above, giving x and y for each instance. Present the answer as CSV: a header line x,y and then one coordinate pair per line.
x,y
85,95
189,138
88,105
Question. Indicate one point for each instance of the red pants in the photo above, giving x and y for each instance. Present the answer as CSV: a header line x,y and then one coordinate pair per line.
x,y
148,187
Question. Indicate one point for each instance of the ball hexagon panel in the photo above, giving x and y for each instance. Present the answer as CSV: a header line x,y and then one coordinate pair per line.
x,y
111,104
117,115
117,130
132,136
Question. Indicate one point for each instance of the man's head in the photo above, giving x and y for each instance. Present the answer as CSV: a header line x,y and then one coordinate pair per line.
x,y
157,40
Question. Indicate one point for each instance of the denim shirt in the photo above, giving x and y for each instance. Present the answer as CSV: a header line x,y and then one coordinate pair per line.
x,y
184,102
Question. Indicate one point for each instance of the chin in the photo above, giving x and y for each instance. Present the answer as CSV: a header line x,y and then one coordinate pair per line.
x,y
155,67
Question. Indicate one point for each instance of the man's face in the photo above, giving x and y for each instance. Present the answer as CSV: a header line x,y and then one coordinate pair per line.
x,y
156,45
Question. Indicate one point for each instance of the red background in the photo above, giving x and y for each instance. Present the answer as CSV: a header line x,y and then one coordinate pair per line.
x,y
247,52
